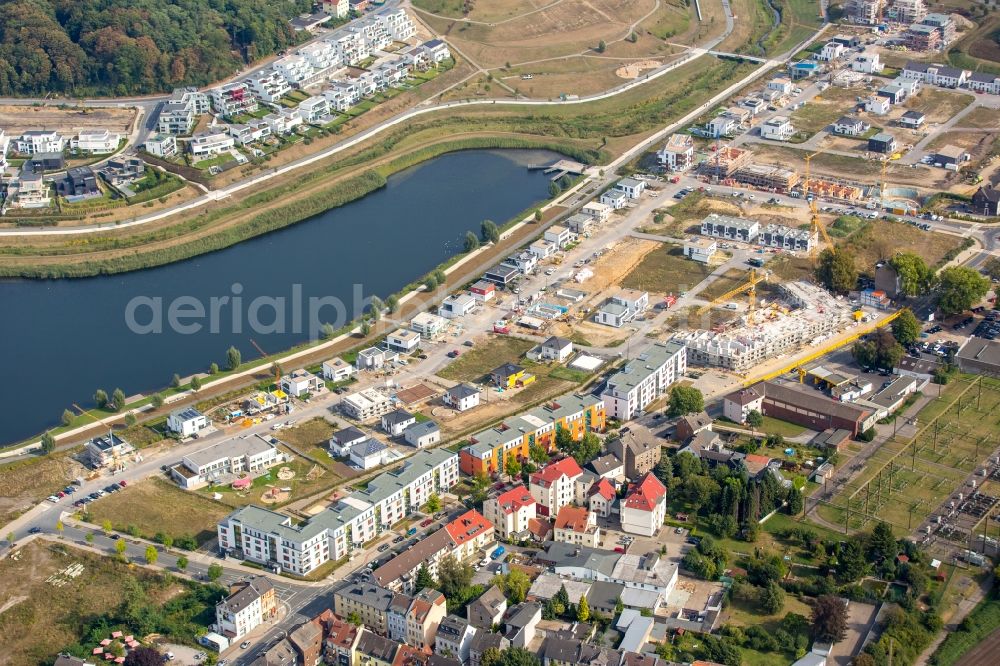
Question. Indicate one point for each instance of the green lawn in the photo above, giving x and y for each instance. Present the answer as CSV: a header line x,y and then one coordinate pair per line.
x,y
666,269
217,160
474,364
773,426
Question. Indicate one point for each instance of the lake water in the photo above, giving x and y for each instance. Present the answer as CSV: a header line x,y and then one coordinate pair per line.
x,y
63,339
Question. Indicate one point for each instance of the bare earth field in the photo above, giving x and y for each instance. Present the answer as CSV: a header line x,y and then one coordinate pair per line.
x,y
15,119
28,482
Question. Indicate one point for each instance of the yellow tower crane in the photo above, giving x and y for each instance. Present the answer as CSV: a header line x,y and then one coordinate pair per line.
x,y
749,288
817,226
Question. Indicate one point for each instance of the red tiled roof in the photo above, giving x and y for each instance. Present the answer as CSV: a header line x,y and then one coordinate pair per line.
x,y
514,499
604,488
553,471
468,526
539,528
572,518
645,494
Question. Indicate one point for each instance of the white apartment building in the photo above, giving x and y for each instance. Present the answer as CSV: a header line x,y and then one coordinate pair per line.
x,y
428,325
678,153
161,145
350,47
39,141
644,506
299,382
342,95
210,142
314,109
180,112
321,56
233,99
598,211
246,608
831,51
644,379
622,308
249,132
269,85
270,538
99,141
554,486
223,462
295,69
510,511
367,404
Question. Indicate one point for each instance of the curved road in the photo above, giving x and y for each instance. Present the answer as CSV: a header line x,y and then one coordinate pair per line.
x,y
225,192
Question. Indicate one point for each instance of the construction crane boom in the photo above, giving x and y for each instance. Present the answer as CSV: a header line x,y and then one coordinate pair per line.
x,y
817,226
749,288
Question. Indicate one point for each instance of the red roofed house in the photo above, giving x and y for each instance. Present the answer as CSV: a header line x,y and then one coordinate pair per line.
x,y
644,506
471,533
510,511
602,497
755,464
552,486
577,525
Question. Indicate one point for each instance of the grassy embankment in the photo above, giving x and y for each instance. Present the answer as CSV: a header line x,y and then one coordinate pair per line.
x,y
588,132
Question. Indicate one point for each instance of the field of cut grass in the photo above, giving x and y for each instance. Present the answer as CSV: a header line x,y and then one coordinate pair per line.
x,y
666,270
476,363
155,507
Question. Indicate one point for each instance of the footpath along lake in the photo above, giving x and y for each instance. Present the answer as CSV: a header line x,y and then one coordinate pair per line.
x,y
63,339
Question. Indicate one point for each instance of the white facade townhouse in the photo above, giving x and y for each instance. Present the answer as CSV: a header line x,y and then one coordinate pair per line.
x,y
232,99
598,211
284,121
373,358
868,63
210,142
644,379
186,422
984,83
269,85
161,145
462,397
632,187
554,486
878,106
270,538
295,70
321,56
341,441
181,111
422,434
245,609
614,199
314,109
555,349
428,325
337,370
700,249
933,74
456,306
396,421
369,454
781,84
559,235
350,47
99,141
29,190
251,132
831,51
778,128
403,340
299,382
510,511
342,95
39,141
622,308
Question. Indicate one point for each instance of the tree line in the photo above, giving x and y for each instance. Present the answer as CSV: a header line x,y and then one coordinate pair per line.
x,y
124,47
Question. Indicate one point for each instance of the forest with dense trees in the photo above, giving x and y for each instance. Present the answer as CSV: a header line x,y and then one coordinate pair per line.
x,y
125,47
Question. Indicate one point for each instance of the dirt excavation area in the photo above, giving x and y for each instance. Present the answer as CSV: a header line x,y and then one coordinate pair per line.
x,y
16,119
634,69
